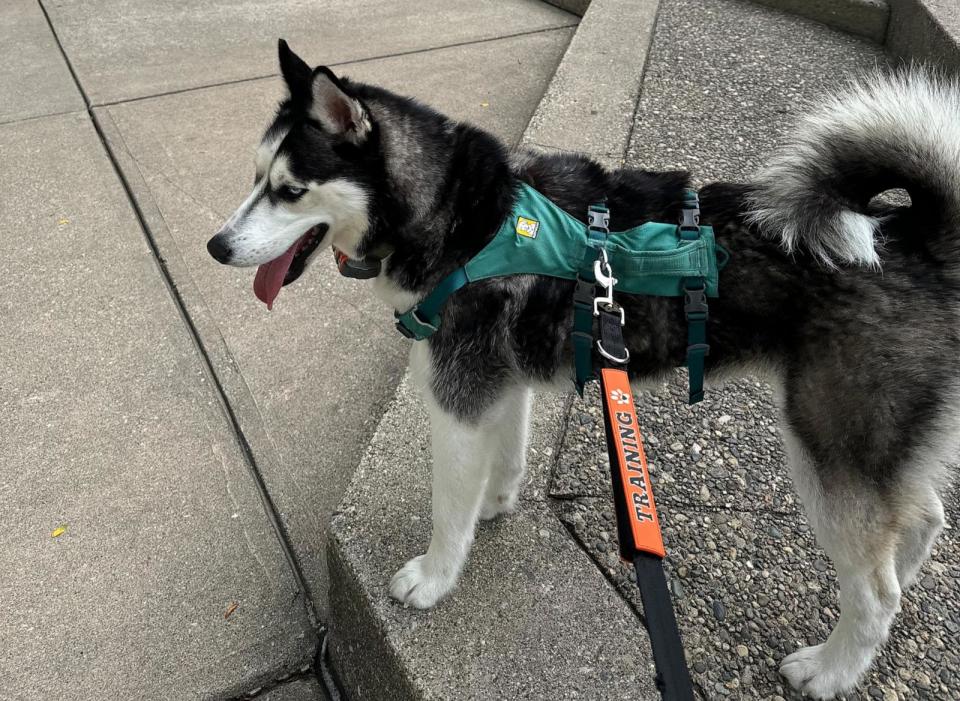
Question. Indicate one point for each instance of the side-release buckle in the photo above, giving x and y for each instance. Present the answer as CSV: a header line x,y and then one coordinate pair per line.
x,y
695,303
412,326
690,216
598,217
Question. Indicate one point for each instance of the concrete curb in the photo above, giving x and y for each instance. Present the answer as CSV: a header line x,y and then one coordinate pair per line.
x,y
926,31
867,18
577,7
590,102
532,618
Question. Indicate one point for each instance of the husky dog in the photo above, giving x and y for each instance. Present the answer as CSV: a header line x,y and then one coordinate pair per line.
x,y
851,305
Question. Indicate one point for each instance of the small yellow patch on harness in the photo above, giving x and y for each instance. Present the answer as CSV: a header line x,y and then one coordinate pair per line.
x,y
527,227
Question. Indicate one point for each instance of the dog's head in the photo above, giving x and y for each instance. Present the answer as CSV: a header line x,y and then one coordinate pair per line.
x,y
310,189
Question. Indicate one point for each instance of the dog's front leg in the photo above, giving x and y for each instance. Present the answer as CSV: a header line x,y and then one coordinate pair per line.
x,y
509,454
461,466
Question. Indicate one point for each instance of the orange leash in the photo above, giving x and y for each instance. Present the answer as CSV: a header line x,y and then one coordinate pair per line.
x,y
638,531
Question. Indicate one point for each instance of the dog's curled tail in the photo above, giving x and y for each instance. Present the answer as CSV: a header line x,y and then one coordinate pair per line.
x,y
890,131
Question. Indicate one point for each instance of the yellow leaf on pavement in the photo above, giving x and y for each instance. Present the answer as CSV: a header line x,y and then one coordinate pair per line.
x,y
58,531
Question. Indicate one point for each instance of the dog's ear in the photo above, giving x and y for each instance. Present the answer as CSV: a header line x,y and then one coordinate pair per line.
x,y
337,111
295,72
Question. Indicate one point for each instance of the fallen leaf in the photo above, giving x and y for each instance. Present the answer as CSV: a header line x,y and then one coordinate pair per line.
x,y
59,531
62,221
231,609
484,104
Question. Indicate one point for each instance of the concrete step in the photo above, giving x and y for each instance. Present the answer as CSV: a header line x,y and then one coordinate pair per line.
x,y
926,30
866,18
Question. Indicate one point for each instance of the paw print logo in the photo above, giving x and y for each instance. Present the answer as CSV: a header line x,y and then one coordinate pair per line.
x,y
619,397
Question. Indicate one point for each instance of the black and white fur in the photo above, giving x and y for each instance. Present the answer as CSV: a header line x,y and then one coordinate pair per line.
x,y
849,306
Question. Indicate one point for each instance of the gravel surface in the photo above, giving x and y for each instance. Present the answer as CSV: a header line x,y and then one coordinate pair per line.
x,y
750,584
719,455
724,80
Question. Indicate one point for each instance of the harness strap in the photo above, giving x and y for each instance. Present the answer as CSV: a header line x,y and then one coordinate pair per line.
x,y
423,319
694,301
696,311
582,336
598,229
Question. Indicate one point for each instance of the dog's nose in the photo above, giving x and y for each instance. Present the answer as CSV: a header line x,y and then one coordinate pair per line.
x,y
219,249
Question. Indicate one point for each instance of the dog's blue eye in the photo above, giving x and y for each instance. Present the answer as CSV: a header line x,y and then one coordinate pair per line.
x,y
291,193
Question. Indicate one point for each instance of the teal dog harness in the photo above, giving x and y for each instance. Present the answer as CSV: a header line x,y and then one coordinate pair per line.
x,y
539,238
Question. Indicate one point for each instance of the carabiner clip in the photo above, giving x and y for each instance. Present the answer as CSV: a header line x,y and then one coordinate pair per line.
x,y
604,275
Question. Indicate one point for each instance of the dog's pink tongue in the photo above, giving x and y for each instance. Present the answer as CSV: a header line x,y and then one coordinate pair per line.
x,y
269,279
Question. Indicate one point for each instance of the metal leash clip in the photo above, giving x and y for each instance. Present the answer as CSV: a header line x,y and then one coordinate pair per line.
x,y
604,275
609,312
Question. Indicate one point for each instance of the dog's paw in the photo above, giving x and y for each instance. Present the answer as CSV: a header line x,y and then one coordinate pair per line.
x,y
813,671
419,585
497,505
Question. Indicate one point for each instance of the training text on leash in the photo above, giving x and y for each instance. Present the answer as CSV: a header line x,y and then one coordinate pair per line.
x,y
630,452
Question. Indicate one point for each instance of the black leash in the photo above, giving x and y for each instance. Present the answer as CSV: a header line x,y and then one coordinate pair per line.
x,y
638,526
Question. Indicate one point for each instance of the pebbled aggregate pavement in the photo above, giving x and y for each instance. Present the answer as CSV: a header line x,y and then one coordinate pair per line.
x,y
725,79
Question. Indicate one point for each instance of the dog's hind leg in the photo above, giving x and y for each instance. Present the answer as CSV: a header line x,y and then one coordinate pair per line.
x,y
860,531
923,518
509,454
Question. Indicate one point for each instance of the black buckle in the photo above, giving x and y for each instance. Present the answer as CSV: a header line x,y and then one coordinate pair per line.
x,y
412,325
690,219
695,302
407,333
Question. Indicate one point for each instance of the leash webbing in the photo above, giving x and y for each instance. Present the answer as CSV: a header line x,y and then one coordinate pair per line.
x,y
638,526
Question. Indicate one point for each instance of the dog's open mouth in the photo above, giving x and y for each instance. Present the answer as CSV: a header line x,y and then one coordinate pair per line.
x,y
288,267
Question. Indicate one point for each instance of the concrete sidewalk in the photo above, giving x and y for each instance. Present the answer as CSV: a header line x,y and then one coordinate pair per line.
x,y
191,445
